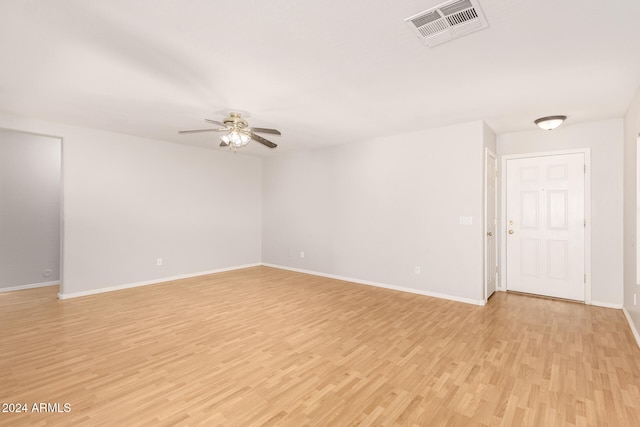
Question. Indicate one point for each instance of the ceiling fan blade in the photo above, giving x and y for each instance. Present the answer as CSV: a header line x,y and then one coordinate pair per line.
x,y
202,130
263,141
215,122
265,130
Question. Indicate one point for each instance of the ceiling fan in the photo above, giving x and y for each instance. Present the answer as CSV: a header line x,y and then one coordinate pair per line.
x,y
238,132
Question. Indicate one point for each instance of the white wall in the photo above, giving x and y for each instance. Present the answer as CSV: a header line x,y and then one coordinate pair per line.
x,y
375,210
29,209
490,138
605,139
129,200
631,132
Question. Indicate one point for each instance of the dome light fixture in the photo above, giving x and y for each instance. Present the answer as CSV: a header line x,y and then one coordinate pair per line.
x,y
550,122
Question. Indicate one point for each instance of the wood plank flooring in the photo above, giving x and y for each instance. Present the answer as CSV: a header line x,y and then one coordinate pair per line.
x,y
262,346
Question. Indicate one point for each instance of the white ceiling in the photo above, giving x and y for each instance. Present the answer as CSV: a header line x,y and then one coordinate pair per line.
x,y
323,72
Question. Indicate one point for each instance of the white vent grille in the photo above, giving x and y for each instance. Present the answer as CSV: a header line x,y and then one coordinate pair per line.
x,y
432,28
462,17
447,21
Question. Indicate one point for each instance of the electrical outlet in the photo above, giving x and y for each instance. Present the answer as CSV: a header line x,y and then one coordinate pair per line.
x,y
301,254
417,270
159,262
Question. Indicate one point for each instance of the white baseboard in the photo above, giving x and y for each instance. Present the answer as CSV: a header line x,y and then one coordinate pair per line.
x,y
606,305
379,285
634,330
63,295
30,286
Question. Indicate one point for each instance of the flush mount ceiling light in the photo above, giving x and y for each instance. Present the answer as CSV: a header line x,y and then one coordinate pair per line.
x,y
550,122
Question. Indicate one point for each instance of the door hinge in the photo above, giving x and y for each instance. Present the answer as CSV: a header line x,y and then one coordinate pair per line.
x,y
585,222
585,168
585,277
496,269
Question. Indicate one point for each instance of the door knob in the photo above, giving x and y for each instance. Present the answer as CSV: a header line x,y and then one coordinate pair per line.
x,y
489,234
510,231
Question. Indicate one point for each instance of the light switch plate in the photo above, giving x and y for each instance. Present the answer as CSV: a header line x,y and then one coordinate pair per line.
x,y
466,220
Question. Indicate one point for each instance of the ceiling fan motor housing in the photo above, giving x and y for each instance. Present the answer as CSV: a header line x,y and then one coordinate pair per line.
x,y
234,120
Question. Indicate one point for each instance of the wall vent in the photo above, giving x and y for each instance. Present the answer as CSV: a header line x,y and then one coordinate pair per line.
x,y
447,21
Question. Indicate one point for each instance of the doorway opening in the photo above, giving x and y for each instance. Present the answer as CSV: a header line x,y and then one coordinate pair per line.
x,y
30,210
491,224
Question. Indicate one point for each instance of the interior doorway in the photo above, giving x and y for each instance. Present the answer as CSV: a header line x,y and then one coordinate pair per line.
x,y
545,209
30,210
491,223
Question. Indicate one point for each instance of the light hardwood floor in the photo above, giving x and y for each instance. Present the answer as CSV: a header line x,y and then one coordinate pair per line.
x,y
262,346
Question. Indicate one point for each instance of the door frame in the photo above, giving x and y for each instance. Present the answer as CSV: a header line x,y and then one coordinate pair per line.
x,y
502,283
487,153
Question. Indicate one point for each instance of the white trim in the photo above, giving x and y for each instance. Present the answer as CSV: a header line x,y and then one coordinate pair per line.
x,y
587,230
62,222
30,286
606,305
634,235
379,285
634,331
150,282
587,213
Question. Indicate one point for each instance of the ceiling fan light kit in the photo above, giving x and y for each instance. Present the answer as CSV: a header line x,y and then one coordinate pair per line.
x,y
236,139
550,122
238,131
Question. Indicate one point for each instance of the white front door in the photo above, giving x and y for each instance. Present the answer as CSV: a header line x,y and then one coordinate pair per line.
x,y
545,225
491,260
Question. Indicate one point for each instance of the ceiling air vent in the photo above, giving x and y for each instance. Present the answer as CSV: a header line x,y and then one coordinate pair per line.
x,y
447,21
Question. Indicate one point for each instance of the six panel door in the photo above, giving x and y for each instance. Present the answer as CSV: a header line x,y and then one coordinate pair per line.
x,y
545,226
